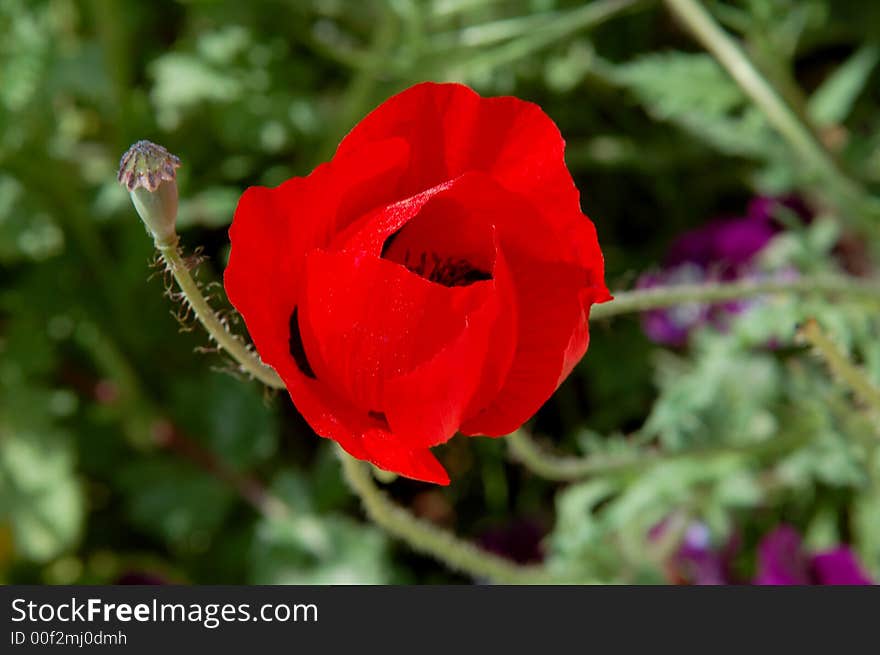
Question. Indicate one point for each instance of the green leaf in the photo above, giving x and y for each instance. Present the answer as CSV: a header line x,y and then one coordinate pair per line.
x,y
832,102
359,554
310,548
39,492
210,208
175,502
695,93
184,82
866,523
707,400
233,420
580,538
26,233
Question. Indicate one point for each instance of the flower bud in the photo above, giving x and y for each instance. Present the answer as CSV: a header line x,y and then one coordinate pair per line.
x,y
149,173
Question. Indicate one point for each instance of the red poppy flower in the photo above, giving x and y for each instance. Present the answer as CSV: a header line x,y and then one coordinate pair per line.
x,y
435,276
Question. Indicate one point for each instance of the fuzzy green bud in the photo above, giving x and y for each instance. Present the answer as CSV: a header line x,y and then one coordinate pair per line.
x,y
149,172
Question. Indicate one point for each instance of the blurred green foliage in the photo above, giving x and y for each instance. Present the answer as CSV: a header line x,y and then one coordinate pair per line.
x,y
123,450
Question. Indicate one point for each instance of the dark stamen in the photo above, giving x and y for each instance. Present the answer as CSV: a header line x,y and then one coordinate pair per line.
x,y
450,272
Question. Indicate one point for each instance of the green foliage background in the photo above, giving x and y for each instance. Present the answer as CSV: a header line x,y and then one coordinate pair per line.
x,y
124,450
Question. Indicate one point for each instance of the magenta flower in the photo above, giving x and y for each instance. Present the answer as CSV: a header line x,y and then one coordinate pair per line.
x,y
700,564
697,561
782,560
721,250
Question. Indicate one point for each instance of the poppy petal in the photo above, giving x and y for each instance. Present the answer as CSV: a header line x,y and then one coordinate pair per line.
x,y
461,218
428,404
359,434
465,219
552,335
273,228
451,130
366,320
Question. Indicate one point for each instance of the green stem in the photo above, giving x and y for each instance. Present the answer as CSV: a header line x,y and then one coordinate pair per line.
x,y
423,537
567,468
841,366
655,298
247,358
563,468
781,116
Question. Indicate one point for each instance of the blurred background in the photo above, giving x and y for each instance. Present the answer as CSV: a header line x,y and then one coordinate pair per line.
x,y
128,453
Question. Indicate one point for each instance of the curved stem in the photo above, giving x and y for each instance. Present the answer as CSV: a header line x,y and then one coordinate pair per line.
x,y
781,116
563,468
566,468
646,299
841,367
429,540
247,358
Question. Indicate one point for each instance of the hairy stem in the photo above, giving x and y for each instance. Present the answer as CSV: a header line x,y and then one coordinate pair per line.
x,y
429,540
567,468
841,366
657,297
564,468
731,56
247,358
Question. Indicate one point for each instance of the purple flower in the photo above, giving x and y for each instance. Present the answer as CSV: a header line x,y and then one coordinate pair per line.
x,y
782,560
722,250
768,207
722,246
671,326
697,561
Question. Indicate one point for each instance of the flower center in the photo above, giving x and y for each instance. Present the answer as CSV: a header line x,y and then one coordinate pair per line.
x,y
448,271
446,243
